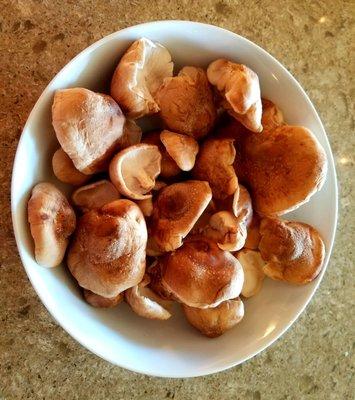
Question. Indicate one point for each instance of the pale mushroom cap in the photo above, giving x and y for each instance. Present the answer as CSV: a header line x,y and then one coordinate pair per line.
x,y
199,274
107,254
215,321
134,169
88,126
146,303
138,76
283,168
98,301
293,251
226,231
65,171
168,167
272,116
186,103
94,195
52,221
239,87
176,210
214,164
252,265
181,148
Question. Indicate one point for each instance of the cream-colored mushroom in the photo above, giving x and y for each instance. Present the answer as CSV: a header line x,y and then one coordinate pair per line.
x,y
181,148
89,127
146,205
145,302
95,195
133,170
239,87
186,103
52,221
252,265
176,210
214,164
215,321
98,301
107,253
65,171
138,77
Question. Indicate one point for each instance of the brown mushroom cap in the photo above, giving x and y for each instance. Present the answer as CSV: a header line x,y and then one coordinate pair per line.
x,y
215,321
107,254
134,169
145,302
65,171
239,87
154,272
138,76
98,301
283,168
293,251
88,126
132,134
199,274
214,164
94,195
186,103
252,265
176,210
146,206
168,166
52,221
253,234
272,116
181,148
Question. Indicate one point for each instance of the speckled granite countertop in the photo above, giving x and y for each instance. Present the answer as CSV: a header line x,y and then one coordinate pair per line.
x,y
314,359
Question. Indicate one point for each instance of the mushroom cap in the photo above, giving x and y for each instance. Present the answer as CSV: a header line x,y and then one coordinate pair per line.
x,y
283,168
215,321
88,126
186,103
176,209
200,274
65,171
94,195
181,148
134,169
168,167
214,164
132,134
272,116
252,265
293,251
138,76
52,220
107,253
154,271
146,206
145,302
239,87
98,301
253,234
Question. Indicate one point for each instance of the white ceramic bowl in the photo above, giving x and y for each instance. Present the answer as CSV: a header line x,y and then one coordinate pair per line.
x,y
171,348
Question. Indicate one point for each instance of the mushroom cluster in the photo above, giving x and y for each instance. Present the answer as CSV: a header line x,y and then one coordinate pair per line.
x,y
188,212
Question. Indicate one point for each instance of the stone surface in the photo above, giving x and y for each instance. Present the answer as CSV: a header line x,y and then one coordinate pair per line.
x,y
314,359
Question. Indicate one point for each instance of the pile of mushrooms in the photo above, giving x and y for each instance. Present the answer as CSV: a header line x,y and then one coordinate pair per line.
x,y
189,212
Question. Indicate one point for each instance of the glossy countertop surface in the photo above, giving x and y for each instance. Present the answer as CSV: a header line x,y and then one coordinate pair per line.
x,y
314,359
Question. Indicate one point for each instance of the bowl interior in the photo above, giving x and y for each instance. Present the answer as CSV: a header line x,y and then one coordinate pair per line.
x,y
170,348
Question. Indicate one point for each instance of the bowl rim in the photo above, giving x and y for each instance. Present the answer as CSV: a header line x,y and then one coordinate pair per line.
x,y
331,168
